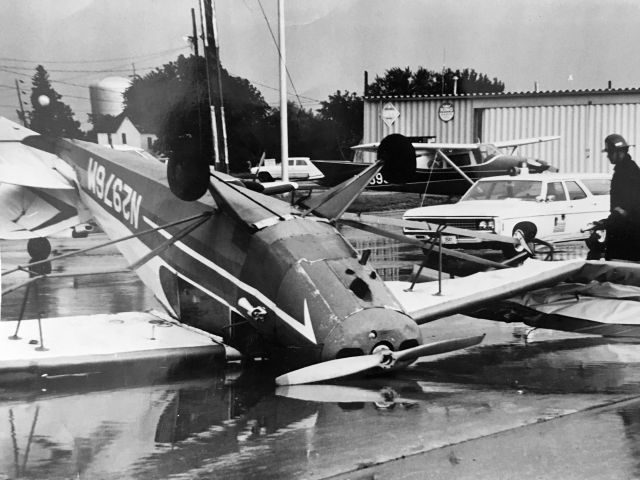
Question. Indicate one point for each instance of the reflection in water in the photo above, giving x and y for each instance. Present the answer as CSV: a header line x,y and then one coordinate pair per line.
x,y
196,428
575,365
233,423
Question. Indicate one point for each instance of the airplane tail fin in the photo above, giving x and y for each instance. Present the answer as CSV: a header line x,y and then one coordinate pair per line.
x,y
335,201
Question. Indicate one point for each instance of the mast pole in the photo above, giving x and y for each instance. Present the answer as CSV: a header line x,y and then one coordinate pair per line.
x,y
223,123
206,36
284,136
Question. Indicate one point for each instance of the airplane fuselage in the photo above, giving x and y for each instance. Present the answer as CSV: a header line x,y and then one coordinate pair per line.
x,y
437,179
282,285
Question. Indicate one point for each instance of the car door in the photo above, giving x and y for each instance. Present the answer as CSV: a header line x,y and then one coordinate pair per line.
x,y
599,200
556,205
581,209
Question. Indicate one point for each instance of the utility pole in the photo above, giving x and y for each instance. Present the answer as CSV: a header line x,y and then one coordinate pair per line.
x,y
223,121
194,37
211,53
212,110
22,114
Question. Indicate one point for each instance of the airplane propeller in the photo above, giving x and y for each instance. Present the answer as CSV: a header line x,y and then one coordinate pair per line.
x,y
384,358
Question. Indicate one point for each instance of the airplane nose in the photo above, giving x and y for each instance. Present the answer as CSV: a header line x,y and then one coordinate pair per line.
x,y
366,330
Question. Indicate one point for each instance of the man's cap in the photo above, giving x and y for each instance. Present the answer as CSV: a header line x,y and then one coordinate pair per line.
x,y
614,142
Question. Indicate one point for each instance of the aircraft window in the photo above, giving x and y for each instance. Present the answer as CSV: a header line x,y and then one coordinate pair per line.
x,y
555,192
575,191
301,162
462,159
598,186
436,162
526,190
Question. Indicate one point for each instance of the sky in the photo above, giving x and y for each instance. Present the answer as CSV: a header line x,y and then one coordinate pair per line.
x,y
561,45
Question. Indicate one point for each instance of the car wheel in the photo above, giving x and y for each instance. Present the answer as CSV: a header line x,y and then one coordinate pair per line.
x,y
524,230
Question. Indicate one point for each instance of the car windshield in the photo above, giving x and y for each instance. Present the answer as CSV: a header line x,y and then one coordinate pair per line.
x,y
501,189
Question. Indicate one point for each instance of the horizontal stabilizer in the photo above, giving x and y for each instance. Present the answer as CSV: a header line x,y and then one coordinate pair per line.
x,y
29,212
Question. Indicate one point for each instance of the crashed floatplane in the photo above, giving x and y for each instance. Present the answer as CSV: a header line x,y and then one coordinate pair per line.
x,y
269,278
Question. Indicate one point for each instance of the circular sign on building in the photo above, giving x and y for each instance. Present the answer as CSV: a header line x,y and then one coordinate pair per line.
x,y
389,114
446,112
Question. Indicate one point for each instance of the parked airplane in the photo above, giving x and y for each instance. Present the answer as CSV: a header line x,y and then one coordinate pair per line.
x,y
270,278
441,168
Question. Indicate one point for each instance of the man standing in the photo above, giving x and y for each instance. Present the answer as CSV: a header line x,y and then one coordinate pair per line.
x,y
623,223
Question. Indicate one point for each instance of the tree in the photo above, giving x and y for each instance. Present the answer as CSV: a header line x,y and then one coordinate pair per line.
x,y
173,102
54,118
344,113
397,81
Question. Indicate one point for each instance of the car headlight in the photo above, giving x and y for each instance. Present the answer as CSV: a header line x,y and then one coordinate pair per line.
x,y
486,225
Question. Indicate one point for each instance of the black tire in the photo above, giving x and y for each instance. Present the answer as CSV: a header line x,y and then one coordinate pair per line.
x,y
38,248
526,230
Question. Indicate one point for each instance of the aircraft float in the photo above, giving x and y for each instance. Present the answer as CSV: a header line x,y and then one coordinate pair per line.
x,y
272,279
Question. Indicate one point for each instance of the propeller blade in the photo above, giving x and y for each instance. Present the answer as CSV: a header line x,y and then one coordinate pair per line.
x,y
329,370
436,348
329,393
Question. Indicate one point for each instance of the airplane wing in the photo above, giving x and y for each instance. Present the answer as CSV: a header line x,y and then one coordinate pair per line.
x,y
580,296
36,192
433,146
524,141
30,167
29,212
466,293
420,147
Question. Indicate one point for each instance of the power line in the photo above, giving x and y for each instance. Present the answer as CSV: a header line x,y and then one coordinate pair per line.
x,y
94,61
278,49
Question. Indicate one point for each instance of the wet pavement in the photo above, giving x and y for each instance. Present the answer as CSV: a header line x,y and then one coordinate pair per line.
x,y
520,405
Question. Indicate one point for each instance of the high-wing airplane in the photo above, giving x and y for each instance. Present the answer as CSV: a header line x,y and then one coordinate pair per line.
x,y
272,279
441,168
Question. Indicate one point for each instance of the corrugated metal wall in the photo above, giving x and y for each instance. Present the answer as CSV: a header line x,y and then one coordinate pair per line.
x,y
582,129
419,118
582,124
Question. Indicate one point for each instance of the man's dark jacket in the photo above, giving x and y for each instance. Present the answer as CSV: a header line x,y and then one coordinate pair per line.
x,y
623,227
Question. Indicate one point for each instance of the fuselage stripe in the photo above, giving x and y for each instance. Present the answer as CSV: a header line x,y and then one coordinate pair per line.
x,y
299,327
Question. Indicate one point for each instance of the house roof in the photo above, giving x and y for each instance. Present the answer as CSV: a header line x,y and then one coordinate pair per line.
x,y
110,124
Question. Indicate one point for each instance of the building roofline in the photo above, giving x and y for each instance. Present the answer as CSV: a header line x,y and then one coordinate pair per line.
x,y
548,93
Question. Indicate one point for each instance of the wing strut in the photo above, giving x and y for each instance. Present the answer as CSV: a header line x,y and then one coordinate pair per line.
x,y
455,167
204,215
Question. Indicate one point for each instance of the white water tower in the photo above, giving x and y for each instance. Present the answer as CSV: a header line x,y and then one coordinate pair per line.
x,y
107,95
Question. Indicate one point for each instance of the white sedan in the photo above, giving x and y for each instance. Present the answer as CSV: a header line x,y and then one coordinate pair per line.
x,y
300,168
552,207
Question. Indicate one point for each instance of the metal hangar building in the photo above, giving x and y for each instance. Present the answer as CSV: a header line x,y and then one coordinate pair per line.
x,y
583,118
